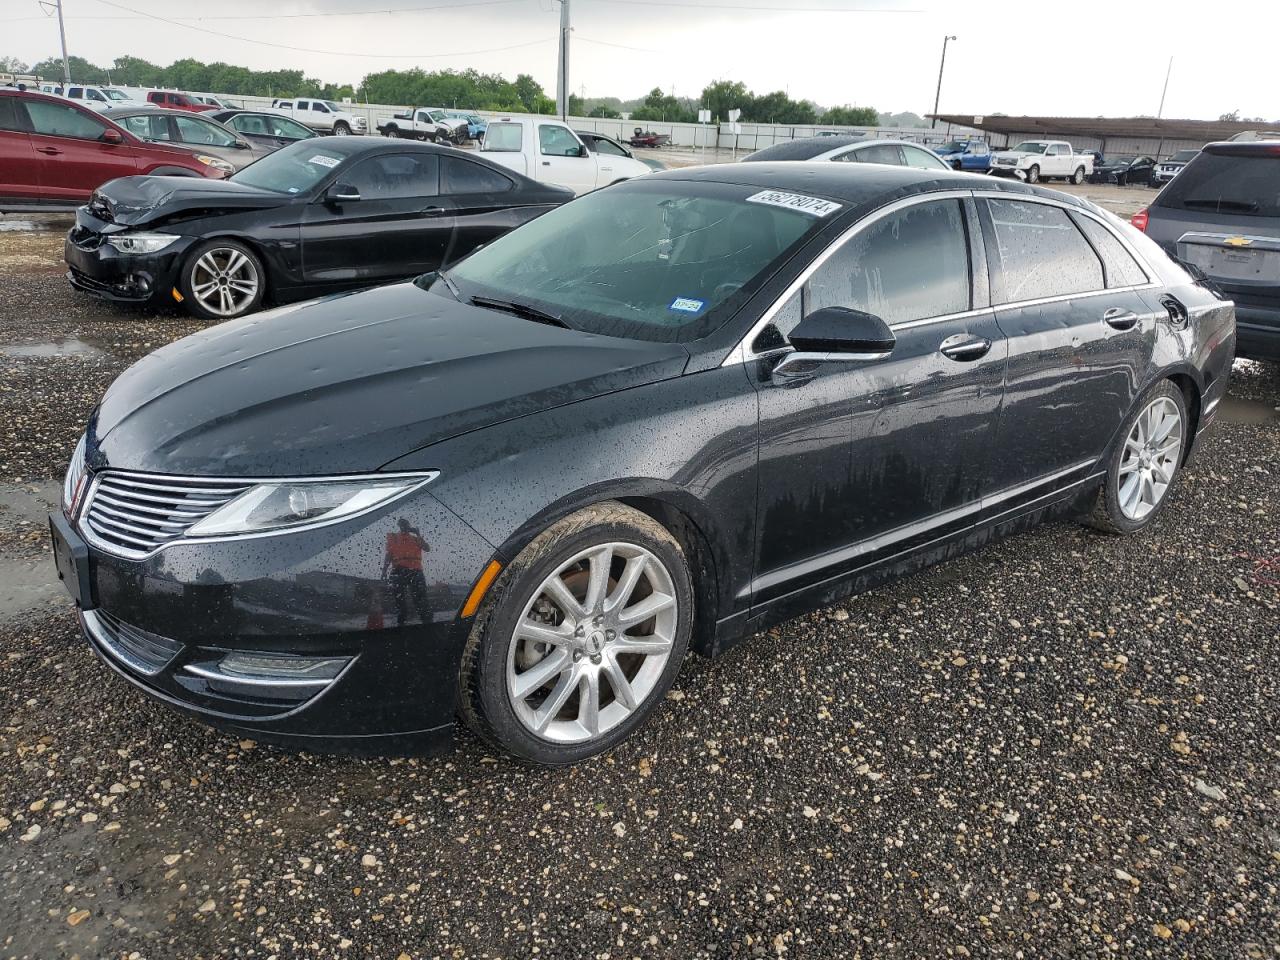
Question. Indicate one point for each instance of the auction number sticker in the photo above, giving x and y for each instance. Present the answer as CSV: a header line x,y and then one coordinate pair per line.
x,y
322,161
795,201
687,304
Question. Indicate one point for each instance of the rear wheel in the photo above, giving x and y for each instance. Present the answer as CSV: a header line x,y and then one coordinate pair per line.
x,y
391,132
1078,177
1148,457
580,638
222,279
1033,174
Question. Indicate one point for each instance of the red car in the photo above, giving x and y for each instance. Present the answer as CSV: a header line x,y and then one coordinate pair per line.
x,y
54,153
178,101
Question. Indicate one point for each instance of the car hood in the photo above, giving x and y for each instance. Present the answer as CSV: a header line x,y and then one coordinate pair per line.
x,y
135,201
351,382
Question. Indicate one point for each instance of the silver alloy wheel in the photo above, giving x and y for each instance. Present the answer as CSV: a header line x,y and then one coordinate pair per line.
x,y
1151,455
224,281
341,130
592,642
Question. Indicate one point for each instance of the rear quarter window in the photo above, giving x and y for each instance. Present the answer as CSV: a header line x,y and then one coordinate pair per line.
x,y
504,138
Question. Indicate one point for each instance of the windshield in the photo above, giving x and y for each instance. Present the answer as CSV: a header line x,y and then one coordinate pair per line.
x,y
296,168
1030,146
336,108
955,146
114,95
1242,185
667,261
1121,159
1184,156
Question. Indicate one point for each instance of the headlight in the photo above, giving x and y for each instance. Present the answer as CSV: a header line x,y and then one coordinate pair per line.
x,y
73,485
141,242
294,504
216,162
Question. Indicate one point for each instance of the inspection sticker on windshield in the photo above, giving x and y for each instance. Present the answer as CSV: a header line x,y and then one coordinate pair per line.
x,y
795,201
686,305
321,160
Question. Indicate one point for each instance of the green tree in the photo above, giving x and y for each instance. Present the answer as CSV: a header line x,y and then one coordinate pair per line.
x,y
777,107
661,106
81,70
724,95
847,116
602,111
529,92
13,65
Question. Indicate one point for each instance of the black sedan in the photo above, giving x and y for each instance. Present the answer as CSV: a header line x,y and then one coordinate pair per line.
x,y
266,130
316,217
1123,170
658,418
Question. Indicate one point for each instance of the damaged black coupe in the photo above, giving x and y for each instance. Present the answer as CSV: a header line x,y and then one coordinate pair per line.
x,y
311,219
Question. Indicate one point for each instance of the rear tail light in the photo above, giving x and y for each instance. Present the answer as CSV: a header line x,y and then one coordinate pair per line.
x,y
1139,219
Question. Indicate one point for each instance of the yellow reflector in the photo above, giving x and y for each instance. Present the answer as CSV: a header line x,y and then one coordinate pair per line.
x,y
176,295
481,588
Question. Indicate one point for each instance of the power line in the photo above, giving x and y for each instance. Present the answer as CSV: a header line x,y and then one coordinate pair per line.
x,y
297,16
736,6
620,46
334,53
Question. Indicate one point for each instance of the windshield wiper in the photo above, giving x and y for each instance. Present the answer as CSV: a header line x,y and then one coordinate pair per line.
x,y
521,310
1249,205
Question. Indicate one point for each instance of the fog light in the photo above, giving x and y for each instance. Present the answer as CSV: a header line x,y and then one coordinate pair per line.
x,y
281,669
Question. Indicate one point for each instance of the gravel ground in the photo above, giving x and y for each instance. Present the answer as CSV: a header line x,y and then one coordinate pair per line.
x,y
1081,757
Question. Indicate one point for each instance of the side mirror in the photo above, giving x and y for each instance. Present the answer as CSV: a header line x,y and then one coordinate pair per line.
x,y
112,136
834,334
242,144
341,193
583,151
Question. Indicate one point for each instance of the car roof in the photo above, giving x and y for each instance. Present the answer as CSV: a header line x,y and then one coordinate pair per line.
x,y
805,149
149,110
861,186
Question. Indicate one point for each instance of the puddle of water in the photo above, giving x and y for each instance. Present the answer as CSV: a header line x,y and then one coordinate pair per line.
x,y
28,224
68,347
1238,410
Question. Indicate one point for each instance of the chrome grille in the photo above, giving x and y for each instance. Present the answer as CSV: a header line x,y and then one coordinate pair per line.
x,y
132,515
141,651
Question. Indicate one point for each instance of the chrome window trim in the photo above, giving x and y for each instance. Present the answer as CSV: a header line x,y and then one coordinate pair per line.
x,y
742,352
81,527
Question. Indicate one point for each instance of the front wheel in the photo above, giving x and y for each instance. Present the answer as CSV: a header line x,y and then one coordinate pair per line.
x,y
1033,174
341,129
1147,460
222,279
580,638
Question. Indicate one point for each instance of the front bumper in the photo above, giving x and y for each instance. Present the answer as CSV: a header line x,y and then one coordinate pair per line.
x,y
342,658
97,268
1000,171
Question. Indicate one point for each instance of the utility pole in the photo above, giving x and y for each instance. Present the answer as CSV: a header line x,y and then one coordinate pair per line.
x,y
48,6
941,66
1160,112
562,68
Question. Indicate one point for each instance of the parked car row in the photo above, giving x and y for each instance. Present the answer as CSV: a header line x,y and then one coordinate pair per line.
x,y
656,418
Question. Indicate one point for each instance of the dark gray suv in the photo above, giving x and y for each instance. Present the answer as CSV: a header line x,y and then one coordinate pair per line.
x,y
1222,216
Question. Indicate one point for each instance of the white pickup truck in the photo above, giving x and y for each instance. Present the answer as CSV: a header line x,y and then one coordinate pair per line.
x,y
548,151
1036,160
322,116
424,123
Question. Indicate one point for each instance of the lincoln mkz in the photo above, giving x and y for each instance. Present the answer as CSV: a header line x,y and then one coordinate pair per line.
x,y
658,418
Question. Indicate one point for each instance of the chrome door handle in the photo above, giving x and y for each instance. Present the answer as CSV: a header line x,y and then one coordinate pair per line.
x,y
1120,319
964,347
51,151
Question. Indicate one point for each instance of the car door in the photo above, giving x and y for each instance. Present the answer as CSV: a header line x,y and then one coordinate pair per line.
x,y
561,159
1080,338
74,159
611,157
871,458
391,232
19,169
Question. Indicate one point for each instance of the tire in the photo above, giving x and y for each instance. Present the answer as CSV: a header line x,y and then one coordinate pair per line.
x,y
392,132
1117,512
1033,173
955,165
341,129
495,660
211,262
1078,177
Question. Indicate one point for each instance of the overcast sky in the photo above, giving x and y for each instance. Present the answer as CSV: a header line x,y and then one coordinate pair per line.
x,y
1051,59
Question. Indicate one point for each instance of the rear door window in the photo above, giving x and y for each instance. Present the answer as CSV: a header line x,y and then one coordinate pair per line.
x,y
880,153
1121,269
9,114
909,265
922,159
147,126
1242,184
1040,253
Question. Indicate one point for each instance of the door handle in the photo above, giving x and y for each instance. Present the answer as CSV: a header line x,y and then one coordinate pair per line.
x,y
51,151
431,211
1120,319
546,163
965,347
